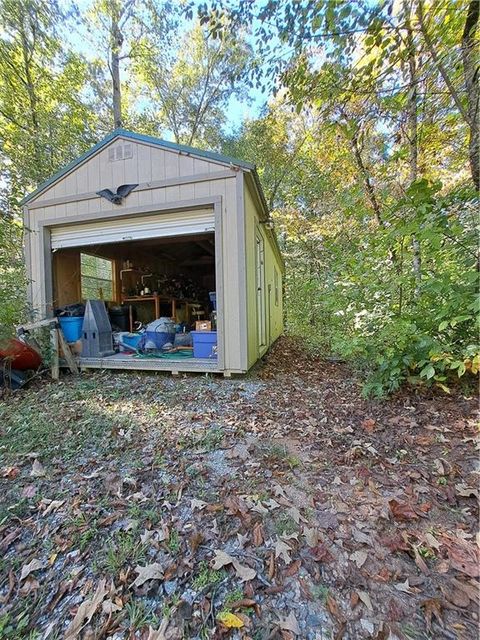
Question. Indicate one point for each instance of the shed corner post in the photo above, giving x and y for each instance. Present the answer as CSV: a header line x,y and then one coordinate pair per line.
x,y
242,268
219,281
46,270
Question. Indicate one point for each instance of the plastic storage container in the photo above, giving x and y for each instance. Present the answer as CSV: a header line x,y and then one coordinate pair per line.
x,y
131,339
204,344
71,327
159,333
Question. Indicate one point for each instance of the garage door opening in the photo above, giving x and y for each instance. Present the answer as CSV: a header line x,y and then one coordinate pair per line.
x,y
141,281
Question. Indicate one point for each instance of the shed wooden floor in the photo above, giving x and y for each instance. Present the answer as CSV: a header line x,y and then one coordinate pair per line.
x,y
121,361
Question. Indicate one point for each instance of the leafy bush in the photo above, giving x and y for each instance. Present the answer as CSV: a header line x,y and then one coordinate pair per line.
x,y
353,291
13,283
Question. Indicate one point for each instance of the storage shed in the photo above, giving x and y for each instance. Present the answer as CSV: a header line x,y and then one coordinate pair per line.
x,y
184,221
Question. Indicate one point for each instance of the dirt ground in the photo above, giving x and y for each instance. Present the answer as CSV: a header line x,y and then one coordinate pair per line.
x,y
280,505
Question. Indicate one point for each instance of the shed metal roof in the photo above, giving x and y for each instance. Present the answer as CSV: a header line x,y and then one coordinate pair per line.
x,y
139,137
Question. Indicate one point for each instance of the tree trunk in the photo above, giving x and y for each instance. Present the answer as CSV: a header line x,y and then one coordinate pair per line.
x,y
33,108
412,110
369,188
471,79
116,47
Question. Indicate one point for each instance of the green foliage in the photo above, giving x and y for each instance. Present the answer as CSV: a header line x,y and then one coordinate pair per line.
x,y
190,83
367,174
13,305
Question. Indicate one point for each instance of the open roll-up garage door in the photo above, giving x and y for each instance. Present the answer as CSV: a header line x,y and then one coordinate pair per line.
x,y
155,225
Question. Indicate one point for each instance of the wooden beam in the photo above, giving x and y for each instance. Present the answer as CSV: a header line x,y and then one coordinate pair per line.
x,y
72,365
54,354
36,325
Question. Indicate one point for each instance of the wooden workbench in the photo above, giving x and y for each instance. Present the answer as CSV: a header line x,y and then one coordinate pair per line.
x,y
157,299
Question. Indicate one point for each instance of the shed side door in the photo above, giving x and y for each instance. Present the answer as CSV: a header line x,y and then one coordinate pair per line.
x,y
260,283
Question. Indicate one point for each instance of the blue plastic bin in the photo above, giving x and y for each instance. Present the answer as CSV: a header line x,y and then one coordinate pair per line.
x,y
204,344
132,339
71,327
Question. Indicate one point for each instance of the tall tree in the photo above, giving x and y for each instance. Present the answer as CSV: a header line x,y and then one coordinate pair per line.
x,y
115,17
43,123
435,31
189,86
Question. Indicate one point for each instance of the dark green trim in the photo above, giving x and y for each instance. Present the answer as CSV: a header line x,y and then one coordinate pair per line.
x,y
138,137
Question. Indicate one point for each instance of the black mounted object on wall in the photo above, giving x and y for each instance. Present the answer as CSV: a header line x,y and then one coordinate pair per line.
x,y
122,192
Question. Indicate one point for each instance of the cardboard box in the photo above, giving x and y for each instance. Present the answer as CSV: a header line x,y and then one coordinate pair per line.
x,y
203,325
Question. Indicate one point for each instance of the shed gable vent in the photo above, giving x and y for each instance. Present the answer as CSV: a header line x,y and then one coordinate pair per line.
x,y
120,152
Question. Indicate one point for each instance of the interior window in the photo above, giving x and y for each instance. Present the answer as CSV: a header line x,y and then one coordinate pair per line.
x,y
96,277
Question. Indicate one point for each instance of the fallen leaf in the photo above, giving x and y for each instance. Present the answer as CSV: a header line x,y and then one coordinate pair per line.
x,y
239,451
293,568
295,514
463,555
365,598
197,504
223,559
53,505
146,535
108,606
27,569
405,587
152,571
230,620
159,634
311,536
282,550
242,539
257,534
465,491
433,608
369,425
29,491
86,611
243,572
334,609
402,510
359,557
290,624
10,472
38,470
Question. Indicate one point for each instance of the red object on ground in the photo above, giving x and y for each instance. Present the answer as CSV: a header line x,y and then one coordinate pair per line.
x,y
21,355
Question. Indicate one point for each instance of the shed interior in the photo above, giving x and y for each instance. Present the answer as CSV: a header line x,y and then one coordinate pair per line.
x,y
141,281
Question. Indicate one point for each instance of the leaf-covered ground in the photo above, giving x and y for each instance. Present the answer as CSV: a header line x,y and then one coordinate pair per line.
x,y
281,505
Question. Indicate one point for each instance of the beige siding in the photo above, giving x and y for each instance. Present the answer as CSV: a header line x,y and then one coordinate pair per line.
x,y
274,311
148,163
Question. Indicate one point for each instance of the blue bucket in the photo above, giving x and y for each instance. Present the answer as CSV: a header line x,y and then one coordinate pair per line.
x,y
71,327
